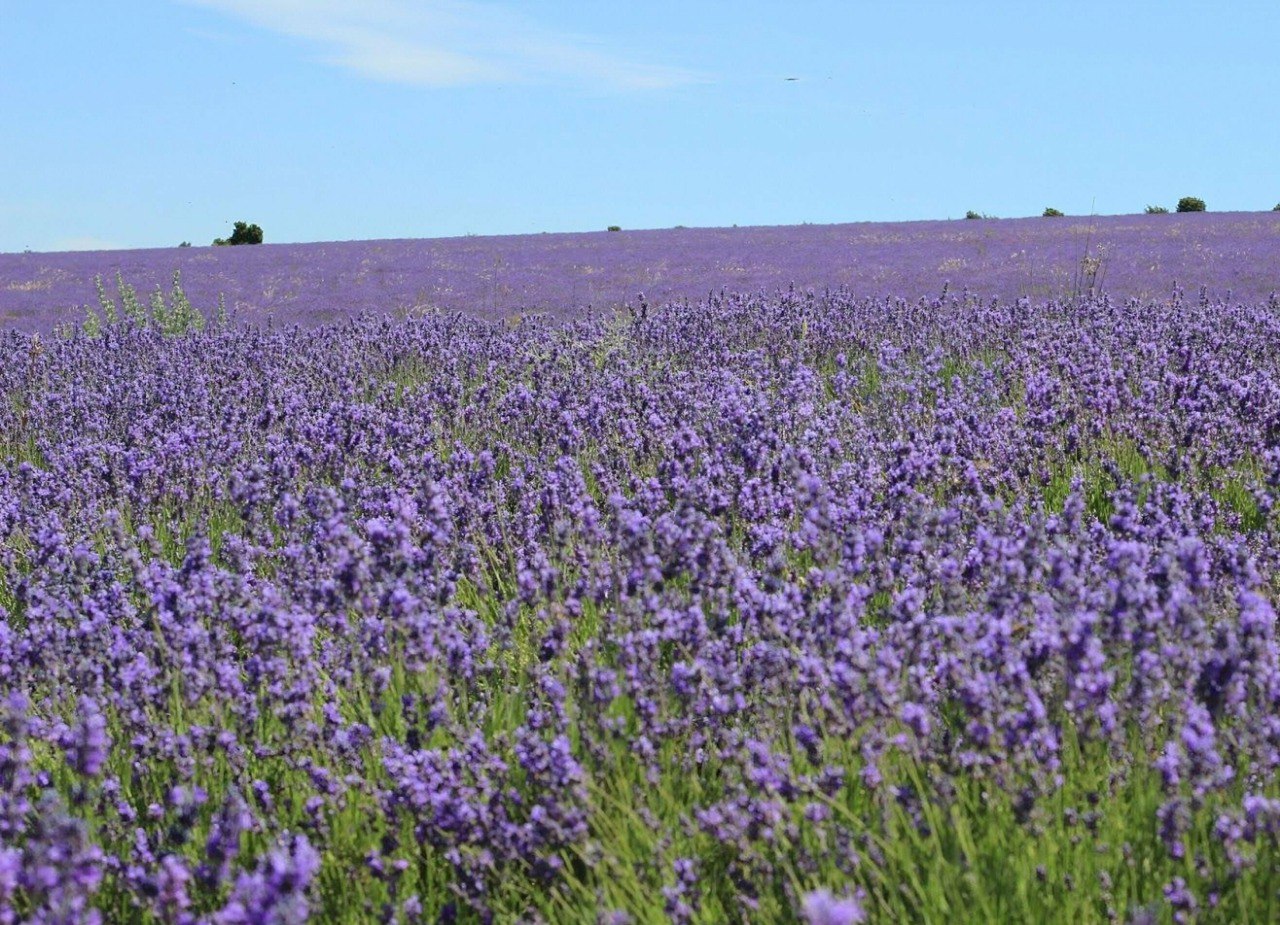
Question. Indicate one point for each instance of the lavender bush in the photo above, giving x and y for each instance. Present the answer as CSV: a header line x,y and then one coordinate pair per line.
x,y
800,608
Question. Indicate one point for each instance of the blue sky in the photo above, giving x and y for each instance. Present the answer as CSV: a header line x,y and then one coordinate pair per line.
x,y
142,123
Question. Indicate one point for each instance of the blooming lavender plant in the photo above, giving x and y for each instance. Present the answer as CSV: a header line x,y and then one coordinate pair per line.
x,y
806,607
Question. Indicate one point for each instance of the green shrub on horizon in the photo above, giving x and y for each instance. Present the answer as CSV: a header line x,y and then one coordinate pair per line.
x,y
242,233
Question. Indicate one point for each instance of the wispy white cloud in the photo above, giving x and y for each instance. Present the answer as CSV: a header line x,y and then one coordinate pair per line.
x,y
442,43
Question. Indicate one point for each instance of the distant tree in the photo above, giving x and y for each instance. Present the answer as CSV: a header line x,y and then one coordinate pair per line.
x,y
615,227
242,233
1157,210
1190,204
185,244
1051,212
973,214
1276,207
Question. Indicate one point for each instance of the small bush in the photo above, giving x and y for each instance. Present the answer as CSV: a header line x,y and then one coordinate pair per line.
x,y
242,233
1157,210
1190,204
615,227
171,316
1276,207
973,214
1051,212
185,244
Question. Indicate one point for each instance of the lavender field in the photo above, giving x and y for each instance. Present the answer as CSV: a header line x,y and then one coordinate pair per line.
x,y
878,602
1131,256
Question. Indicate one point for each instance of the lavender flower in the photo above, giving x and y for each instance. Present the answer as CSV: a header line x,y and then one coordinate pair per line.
x,y
821,907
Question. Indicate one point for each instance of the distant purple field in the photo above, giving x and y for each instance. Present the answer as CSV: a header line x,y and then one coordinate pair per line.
x,y
1132,256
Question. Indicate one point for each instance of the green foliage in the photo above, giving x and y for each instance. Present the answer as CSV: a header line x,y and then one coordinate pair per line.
x,y
1190,204
1156,210
972,214
615,227
171,316
92,324
1234,492
1276,207
185,244
242,233
1051,212
107,304
177,316
134,311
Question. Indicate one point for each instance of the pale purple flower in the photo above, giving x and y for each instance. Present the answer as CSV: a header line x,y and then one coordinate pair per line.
x,y
822,907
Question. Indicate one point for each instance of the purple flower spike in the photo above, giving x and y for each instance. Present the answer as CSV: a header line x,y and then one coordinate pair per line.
x,y
89,743
821,907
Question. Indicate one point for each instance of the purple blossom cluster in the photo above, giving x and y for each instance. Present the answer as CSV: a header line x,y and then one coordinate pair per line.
x,y
1131,256
427,620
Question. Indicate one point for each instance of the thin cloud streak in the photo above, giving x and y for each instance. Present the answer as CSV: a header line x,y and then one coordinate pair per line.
x,y
447,43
